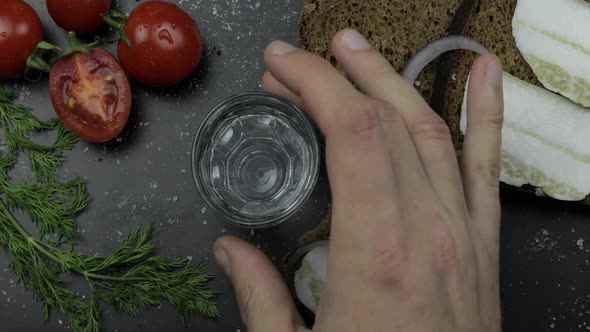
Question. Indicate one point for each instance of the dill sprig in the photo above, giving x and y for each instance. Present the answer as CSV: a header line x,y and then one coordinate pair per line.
x,y
53,206
129,279
132,277
18,123
40,274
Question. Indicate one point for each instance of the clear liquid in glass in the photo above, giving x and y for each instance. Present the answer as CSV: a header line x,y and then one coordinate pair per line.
x,y
260,163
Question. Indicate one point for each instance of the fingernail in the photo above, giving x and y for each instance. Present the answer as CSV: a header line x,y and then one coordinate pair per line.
x,y
281,48
223,259
494,74
353,40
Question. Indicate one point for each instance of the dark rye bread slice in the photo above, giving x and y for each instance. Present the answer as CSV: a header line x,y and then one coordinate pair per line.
x,y
397,28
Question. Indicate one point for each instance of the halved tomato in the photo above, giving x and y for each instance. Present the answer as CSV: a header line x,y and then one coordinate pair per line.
x,y
91,95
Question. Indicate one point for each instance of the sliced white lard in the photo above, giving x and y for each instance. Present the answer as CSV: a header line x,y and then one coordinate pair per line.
x,y
554,38
545,141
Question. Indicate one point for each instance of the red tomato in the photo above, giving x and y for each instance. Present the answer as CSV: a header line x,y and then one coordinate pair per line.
x,y
80,16
166,41
20,32
91,95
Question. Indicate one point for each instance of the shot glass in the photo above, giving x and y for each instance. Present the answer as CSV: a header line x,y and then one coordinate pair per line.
x,y
256,159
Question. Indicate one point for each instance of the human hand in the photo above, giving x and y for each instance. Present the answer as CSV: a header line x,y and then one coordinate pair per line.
x,y
415,233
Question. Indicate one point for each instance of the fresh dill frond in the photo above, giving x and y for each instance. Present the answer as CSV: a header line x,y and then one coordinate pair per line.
x,y
38,274
17,121
132,278
129,279
53,206
44,165
18,124
7,162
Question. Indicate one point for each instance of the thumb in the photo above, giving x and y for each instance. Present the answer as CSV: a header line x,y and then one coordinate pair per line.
x,y
264,300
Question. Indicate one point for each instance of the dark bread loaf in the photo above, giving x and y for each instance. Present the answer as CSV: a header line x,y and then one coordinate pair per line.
x,y
397,28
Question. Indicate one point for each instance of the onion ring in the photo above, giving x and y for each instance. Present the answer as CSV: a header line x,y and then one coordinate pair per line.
x,y
433,50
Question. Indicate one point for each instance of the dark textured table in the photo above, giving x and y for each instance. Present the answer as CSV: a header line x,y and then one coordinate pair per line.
x,y
146,178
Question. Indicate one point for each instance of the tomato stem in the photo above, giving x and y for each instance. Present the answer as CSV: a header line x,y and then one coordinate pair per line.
x,y
37,62
117,20
76,47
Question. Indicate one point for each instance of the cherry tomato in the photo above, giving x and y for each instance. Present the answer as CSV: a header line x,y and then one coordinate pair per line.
x,y
91,95
80,16
20,32
167,45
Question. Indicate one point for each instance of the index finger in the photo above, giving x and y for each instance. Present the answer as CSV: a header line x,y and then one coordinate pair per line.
x,y
359,164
